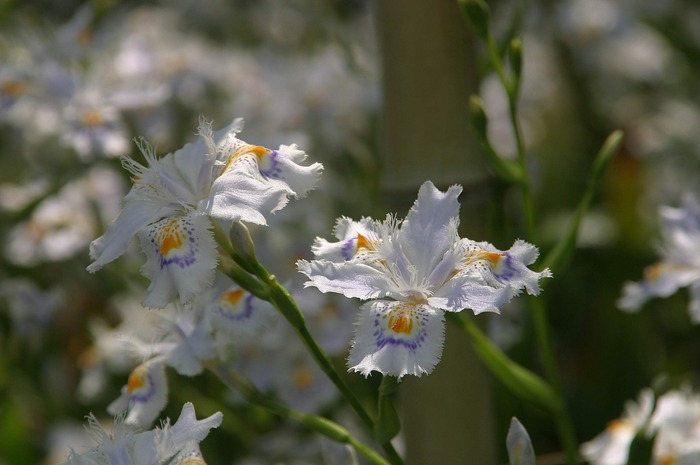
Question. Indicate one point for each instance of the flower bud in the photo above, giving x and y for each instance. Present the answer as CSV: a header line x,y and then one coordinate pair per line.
x,y
478,14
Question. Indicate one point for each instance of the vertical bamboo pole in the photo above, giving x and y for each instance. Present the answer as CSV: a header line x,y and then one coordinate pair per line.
x,y
429,72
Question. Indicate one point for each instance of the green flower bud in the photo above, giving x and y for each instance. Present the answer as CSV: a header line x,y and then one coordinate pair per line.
x,y
478,14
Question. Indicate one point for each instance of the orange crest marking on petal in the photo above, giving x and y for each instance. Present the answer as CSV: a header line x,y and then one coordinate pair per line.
x,y
652,272
192,461
12,88
232,297
137,379
492,257
258,150
364,243
617,425
91,118
303,378
401,323
668,460
170,238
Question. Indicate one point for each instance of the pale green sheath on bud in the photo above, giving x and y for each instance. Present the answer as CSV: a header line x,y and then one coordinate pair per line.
x,y
515,56
520,451
243,247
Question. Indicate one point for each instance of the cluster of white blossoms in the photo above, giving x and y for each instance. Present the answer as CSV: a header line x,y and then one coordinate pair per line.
x,y
412,271
176,200
673,421
680,265
175,445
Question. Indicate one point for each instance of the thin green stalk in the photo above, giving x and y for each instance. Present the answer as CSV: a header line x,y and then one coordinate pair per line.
x,y
316,423
273,292
510,86
284,302
525,185
561,416
562,419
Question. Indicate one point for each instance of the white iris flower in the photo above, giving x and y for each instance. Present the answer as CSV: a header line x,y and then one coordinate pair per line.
x,y
412,271
175,445
175,198
680,265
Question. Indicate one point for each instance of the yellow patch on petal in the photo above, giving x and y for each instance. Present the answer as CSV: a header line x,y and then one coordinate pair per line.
x,y
137,379
402,320
303,379
91,118
232,297
618,425
668,460
401,324
363,242
191,461
13,88
169,237
257,150
245,149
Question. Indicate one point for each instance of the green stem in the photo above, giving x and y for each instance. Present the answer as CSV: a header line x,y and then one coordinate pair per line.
x,y
284,302
280,298
561,416
562,419
525,185
511,89
314,422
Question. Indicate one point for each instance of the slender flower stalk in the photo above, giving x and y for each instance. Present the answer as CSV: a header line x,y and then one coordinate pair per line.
x,y
314,422
266,287
478,14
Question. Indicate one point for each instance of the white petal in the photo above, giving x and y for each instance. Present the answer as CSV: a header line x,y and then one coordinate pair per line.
x,y
241,193
283,165
430,227
187,355
463,291
662,280
499,268
181,258
348,278
397,339
188,429
134,217
350,234
147,391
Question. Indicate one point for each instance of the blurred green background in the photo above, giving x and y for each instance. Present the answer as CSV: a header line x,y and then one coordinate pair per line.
x,y
336,77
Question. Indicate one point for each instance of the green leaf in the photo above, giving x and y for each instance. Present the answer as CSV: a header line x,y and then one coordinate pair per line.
x,y
561,254
521,382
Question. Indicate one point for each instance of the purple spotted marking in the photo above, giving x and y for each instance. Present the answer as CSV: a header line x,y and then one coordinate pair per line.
x,y
347,250
508,270
275,169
